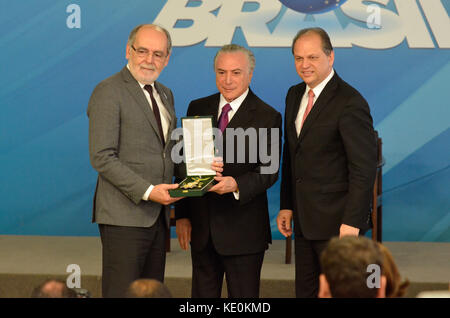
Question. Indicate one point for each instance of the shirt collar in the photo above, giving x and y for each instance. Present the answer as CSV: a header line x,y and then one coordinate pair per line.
x,y
235,103
140,84
319,88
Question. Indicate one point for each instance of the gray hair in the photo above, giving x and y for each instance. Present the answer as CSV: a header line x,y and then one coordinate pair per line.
x,y
231,48
327,48
132,36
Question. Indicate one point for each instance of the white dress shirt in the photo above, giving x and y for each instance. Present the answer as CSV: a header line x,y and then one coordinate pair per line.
x,y
165,120
235,104
304,102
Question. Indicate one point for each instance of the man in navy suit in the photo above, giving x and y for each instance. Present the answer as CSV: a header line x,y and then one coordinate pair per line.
x,y
329,158
229,228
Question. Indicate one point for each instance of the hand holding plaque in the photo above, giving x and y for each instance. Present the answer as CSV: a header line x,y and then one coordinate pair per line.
x,y
199,155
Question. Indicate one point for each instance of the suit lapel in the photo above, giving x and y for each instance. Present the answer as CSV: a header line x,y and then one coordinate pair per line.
x,y
165,100
321,103
293,109
212,108
242,116
136,91
170,109
245,112
241,119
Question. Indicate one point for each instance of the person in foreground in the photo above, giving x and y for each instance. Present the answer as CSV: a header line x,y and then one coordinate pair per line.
x,y
131,117
53,288
148,288
228,228
352,267
395,286
329,158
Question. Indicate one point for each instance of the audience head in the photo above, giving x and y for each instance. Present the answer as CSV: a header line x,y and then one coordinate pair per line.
x,y
53,288
347,264
148,288
394,285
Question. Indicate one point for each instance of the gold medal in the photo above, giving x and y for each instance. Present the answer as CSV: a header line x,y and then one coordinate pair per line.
x,y
196,183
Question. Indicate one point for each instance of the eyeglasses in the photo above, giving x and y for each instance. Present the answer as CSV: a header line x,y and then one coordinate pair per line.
x,y
143,53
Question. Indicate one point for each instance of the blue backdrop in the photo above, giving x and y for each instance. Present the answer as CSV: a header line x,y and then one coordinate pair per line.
x,y
396,52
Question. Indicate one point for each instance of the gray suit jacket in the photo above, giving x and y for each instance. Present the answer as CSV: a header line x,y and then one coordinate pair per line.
x,y
126,150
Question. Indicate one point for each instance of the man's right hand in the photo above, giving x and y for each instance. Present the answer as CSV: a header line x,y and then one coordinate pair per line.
x,y
183,229
160,194
284,222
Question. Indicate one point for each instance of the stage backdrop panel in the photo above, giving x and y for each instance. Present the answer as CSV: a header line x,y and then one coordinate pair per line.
x,y
395,52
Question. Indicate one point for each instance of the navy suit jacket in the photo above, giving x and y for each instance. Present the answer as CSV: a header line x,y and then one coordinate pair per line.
x,y
329,170
237,227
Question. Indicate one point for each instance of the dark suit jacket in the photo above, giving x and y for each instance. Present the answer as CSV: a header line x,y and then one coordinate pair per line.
x,y
237,227
126,150
329,170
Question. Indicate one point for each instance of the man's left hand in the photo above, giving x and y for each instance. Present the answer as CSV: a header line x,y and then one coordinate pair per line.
x,y
225,185
345,230
217,166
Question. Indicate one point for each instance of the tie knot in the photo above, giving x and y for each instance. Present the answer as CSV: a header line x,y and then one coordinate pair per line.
x,y
311,93
226,109
149,88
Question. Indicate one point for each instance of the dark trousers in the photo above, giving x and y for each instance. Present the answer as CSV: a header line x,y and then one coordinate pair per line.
x,y
130,253
242,273
307,266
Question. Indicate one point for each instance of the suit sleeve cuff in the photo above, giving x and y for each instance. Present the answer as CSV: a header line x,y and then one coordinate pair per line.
x,y
147,193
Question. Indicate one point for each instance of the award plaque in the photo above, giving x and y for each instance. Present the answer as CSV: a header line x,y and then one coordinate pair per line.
x,y
199,154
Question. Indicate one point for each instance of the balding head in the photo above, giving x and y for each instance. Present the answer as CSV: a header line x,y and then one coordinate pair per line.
x,y
53,288
148,288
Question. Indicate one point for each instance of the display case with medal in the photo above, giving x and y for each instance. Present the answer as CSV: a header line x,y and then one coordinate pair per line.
x,y
198,148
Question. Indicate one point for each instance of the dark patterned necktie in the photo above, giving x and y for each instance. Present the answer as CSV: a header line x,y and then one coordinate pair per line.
x,y
155,108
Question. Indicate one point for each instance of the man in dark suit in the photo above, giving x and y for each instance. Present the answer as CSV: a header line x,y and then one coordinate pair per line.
x,y
131,117
228,228
329,158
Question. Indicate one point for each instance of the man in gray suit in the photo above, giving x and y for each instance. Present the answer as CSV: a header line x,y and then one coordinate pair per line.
x,y
131,117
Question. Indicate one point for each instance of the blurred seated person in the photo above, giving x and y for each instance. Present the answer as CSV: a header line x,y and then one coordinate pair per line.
x,y
395,287
53,288
348,265
148,288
